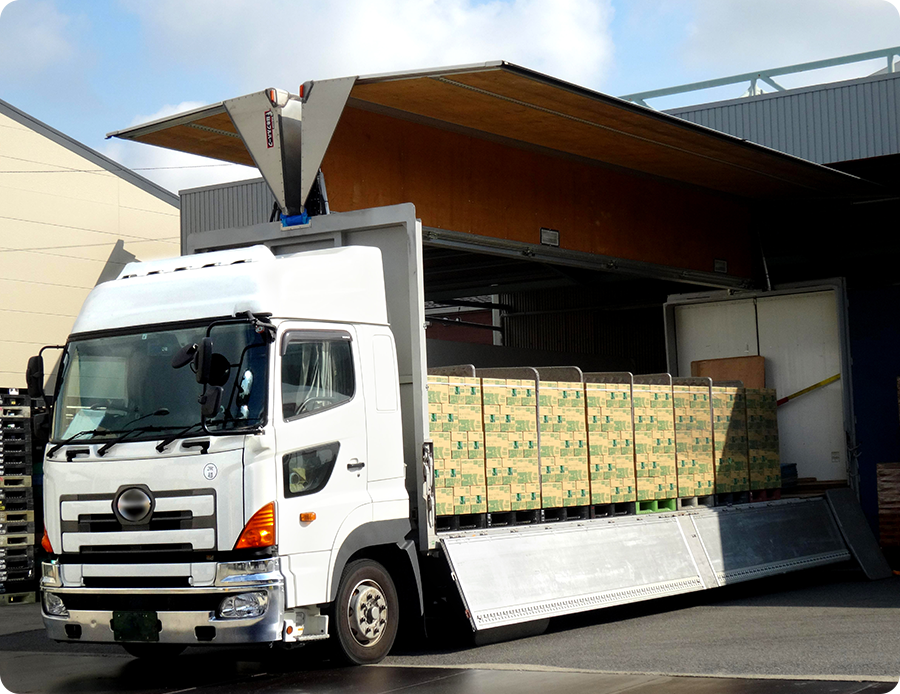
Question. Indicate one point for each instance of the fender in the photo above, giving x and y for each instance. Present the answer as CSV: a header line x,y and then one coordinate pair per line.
x,y
374,534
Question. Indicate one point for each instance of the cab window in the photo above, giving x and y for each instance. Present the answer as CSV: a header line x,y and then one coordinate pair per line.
x,y
308,471
316,372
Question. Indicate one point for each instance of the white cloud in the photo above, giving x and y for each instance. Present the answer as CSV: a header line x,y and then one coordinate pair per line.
x,y
34,38
286,42
173,170
744,35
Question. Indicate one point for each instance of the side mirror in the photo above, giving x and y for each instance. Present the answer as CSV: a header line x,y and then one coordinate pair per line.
x,y
184,356
210,401
40,426
34,377
203,360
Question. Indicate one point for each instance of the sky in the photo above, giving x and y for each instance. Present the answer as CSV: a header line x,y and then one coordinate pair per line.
x,y
89,67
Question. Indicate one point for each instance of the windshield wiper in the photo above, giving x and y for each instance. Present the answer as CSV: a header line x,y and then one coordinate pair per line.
x,y
69,440
161,446
125,434
161,412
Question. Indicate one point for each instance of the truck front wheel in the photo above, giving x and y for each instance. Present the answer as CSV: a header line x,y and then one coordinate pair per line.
x,y
366,612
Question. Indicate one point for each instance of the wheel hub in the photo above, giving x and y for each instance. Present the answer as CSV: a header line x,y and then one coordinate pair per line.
x,y
367,613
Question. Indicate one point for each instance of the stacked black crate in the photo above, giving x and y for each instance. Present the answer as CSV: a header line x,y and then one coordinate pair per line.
x,y
18,523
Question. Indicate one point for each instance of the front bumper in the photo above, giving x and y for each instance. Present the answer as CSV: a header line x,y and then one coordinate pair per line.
x,y
185,615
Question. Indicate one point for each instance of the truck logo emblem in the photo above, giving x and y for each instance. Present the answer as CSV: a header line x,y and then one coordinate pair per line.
x,y
210,471
133,505
270,130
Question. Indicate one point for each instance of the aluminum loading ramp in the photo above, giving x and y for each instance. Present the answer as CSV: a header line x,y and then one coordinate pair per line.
x,y
518,574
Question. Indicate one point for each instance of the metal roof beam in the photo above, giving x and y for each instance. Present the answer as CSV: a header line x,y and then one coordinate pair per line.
x,y
766,75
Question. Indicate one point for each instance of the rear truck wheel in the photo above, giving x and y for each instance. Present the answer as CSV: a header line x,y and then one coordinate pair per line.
x,y
366,613
153,651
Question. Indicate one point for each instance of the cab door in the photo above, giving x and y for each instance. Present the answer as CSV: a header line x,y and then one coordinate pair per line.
x,y
321,438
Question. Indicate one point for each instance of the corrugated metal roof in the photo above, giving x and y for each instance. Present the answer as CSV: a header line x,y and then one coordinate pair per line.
x,y
828,123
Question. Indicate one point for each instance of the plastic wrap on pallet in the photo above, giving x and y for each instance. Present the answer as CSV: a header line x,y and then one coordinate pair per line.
x,y
511,444
730,439
565,477
610,438
455,423
764,460
691,399
654,438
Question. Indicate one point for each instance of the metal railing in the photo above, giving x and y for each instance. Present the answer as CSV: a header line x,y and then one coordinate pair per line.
x,y
766,76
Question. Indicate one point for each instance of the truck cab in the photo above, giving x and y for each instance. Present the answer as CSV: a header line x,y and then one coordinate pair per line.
x,y
173,522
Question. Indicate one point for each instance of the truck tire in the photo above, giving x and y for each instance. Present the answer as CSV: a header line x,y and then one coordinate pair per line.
x,y
366,613
153,651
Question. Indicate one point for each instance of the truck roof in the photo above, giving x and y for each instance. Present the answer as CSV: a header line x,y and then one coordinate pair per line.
x,y
338,284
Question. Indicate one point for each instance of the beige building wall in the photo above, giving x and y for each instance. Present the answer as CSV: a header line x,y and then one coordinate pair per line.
x,y
68,219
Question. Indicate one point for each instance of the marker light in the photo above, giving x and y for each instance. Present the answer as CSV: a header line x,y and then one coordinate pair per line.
x,y
260,529
45,543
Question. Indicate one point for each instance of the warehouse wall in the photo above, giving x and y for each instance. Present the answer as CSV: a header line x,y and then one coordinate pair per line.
x,y
875,346
66,222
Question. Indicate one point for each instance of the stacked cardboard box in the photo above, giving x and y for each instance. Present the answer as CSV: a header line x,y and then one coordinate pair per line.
x,y
762,439
511,444
654,440
610,442
730,439
693,440
455,414
565,480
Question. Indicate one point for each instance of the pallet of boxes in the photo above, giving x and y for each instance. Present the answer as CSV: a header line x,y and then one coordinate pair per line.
x,y
510,420
654,443
694,450
564,465
610,431
455,422
17,500
524,445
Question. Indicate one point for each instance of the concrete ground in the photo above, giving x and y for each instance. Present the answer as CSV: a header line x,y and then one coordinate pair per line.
x,y
825,631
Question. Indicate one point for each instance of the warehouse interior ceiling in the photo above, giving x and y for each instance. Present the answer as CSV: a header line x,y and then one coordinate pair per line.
x,y
453,274
508,103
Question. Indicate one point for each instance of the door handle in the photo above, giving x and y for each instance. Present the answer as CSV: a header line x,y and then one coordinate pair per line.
x,y
355,466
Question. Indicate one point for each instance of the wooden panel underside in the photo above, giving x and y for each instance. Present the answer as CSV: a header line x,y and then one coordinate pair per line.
x,y
510,105
204,137
463,183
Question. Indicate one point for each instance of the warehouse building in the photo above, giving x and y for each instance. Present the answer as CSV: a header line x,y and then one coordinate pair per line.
x,y
69,218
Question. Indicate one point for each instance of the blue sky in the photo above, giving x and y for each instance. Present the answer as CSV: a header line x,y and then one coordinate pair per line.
x,y
87,67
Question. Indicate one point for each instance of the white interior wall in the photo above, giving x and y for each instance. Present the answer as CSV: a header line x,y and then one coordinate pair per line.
x,y
799,336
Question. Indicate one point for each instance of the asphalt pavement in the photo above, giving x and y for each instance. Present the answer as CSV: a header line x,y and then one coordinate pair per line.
x,y
828,632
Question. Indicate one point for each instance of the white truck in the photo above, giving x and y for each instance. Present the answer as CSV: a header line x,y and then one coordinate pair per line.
x,y
240,449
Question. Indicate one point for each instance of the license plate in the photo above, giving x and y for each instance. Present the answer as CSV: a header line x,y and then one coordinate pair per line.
x,y
135,626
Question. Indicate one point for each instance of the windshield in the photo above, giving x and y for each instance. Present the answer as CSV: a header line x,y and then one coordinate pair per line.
x,y
126,383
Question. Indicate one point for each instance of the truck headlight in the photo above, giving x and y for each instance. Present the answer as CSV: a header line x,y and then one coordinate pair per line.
x,y
245,571
53,605
243,606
